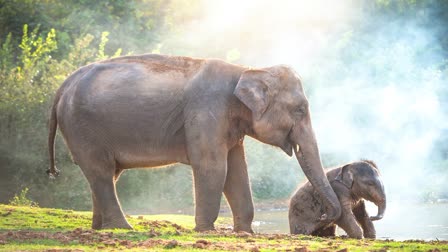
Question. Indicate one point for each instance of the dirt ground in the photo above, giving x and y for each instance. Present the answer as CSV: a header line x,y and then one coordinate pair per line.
x,y
107,239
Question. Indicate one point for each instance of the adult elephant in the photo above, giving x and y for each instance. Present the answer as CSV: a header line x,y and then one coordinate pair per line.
x,y
154,110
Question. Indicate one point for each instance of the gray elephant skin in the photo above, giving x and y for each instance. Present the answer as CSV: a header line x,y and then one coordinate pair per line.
x,y
352,184
153,110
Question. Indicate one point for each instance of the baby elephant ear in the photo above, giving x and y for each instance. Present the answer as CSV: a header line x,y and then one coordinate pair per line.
x,y
345,176
253,91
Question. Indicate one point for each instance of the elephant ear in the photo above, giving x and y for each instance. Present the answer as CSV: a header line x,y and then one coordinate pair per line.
x,y
252,90
345,176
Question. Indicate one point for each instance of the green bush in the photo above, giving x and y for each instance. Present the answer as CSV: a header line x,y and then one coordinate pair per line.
x,y
23,200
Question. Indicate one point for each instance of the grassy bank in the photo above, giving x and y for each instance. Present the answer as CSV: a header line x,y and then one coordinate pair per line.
x,y
37,229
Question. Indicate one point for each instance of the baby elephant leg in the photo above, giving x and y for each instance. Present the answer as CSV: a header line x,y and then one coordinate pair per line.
x,y
350,226
348,221
363,219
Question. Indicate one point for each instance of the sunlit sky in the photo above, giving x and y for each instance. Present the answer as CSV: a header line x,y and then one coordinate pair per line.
x,y
277,28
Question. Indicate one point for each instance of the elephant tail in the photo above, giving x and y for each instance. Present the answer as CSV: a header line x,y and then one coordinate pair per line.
x,y
53,172
73,79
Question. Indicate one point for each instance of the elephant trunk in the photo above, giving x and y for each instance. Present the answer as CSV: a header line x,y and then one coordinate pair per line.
x,y
307,154
381,209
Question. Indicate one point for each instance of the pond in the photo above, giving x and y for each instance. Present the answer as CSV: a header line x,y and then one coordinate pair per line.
x,y
402,221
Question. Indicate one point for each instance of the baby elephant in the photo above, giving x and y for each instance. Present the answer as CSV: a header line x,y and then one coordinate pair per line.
x,y
352,183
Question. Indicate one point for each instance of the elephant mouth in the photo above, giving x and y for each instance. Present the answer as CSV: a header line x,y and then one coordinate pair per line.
x,y
289,145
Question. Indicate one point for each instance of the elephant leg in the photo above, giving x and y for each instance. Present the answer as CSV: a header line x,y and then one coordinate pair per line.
x,y
100,175
106,198
97,218
237,190
364,220
350,226
209,169
348,222
208,188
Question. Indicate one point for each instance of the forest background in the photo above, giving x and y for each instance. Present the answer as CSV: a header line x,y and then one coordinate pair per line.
x,y
375,73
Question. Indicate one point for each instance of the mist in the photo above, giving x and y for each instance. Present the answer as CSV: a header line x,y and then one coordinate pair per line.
x,y
385,106
375,73
374,83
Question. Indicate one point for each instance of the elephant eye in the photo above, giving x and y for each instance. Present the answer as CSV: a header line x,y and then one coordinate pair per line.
x,y
300,111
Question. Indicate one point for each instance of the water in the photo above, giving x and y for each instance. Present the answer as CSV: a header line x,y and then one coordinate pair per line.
x,y
402,221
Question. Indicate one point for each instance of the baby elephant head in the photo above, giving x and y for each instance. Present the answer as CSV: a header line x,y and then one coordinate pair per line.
x,y
365,182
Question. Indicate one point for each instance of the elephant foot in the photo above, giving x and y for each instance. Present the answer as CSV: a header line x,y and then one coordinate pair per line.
x,y
117,224
96,225
241,228
204,228
357,236
370,235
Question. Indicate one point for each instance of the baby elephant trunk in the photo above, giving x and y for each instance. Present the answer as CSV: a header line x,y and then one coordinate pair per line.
x,y
381,209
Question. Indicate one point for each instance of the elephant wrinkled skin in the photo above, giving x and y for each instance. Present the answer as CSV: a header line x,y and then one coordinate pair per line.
x,y
154,110
352,184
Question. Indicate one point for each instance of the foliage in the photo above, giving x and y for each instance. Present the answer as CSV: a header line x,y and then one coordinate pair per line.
x,y
42,42
28,83
22,200
31,229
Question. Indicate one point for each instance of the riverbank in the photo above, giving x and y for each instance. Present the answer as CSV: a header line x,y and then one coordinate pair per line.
x,y
41,229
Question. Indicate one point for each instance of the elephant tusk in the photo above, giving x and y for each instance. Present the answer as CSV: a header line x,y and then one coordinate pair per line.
x,y
296,148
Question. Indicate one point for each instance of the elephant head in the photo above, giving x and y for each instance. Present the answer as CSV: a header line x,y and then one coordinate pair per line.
x,y
364,180
281,117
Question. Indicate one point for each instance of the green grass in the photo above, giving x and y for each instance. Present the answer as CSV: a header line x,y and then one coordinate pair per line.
x,y
38,229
